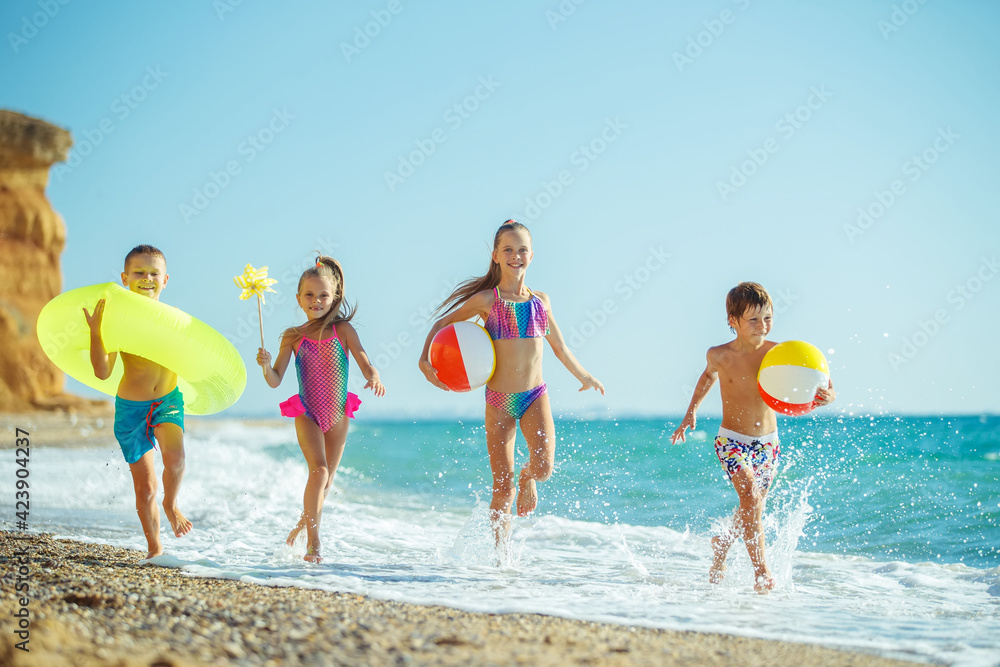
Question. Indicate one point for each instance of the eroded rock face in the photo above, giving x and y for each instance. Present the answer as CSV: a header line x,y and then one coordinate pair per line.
x,y
32,237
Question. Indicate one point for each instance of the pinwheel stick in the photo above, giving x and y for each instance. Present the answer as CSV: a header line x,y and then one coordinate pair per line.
x,y
260,321
255,282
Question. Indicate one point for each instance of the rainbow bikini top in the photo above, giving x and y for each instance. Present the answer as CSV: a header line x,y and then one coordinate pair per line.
x,y
512,319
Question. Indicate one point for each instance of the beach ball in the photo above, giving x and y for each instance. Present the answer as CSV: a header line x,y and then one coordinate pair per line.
x,y
789,376
462,354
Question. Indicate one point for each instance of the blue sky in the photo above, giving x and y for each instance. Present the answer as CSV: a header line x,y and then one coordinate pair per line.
x,y
843,155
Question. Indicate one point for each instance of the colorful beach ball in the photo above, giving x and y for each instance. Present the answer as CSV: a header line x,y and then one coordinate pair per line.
x,y
789,376
462,354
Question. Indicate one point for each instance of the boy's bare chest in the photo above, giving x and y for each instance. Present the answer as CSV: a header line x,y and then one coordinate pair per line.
x,y
739,372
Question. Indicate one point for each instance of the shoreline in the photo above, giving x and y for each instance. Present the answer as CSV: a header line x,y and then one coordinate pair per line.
x,y
94,426
93,604
60,429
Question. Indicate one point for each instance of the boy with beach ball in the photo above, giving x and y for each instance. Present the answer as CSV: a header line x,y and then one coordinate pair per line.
x,y
747,444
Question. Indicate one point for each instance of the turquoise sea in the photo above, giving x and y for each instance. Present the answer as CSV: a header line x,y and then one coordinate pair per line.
x,y
883,532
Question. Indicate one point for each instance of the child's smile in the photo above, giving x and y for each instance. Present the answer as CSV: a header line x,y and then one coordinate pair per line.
x,y
514,251
315,297
145,275
754,324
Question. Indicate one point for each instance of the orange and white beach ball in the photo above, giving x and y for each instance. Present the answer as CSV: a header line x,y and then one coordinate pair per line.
x,y
789,376
463,356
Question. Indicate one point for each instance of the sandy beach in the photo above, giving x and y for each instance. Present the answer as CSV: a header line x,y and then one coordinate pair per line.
x,y
98,605
93,425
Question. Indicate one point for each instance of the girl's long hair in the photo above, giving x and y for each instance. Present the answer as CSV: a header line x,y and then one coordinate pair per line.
x,y
340,311
464,291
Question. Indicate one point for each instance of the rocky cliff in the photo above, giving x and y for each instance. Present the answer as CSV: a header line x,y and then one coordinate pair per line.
x,y
32,237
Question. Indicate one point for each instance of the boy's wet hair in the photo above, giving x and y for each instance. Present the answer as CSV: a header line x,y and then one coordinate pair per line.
x,y
144,249
744,297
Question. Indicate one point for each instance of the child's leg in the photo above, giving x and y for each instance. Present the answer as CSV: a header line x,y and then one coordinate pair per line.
x,y
171,440
144,482
333,442
313,444
750,525
539,432
501,429
720,549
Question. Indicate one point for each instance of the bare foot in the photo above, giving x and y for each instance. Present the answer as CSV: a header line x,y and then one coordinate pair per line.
x,y
294,535
155,551
527,495
717,571
178,521
312,555
764,583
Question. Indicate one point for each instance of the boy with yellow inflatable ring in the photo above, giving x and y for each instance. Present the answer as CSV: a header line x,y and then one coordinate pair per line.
x,y
148,402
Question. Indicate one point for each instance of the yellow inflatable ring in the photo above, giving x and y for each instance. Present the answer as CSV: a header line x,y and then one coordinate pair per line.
x,y
210,372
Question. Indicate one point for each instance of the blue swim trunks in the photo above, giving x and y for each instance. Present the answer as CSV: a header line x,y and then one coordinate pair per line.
x,y
134,421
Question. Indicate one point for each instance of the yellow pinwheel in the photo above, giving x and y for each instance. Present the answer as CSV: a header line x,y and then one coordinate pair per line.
x,y
255,282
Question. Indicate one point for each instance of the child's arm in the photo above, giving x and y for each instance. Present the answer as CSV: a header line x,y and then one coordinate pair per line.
x,y
273,375
564,354
478,305
701,389
346,333
102,362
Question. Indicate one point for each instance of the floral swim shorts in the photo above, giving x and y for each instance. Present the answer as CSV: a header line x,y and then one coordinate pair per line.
x,y
760,453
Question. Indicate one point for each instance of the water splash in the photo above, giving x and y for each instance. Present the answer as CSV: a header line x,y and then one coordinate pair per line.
x,y
475,545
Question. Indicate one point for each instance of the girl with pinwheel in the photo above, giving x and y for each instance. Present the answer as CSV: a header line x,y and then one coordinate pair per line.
x,y
322,346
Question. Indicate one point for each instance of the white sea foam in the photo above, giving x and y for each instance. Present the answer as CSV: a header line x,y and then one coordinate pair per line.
x,y
243,492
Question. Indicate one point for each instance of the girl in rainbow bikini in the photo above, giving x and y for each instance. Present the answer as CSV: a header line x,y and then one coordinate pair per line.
x,y
323,404
517,320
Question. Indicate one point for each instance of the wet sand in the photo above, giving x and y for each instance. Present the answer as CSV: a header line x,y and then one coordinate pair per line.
x,y
98,605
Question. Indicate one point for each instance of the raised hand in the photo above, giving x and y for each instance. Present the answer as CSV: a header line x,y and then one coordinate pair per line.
x,y
94,321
